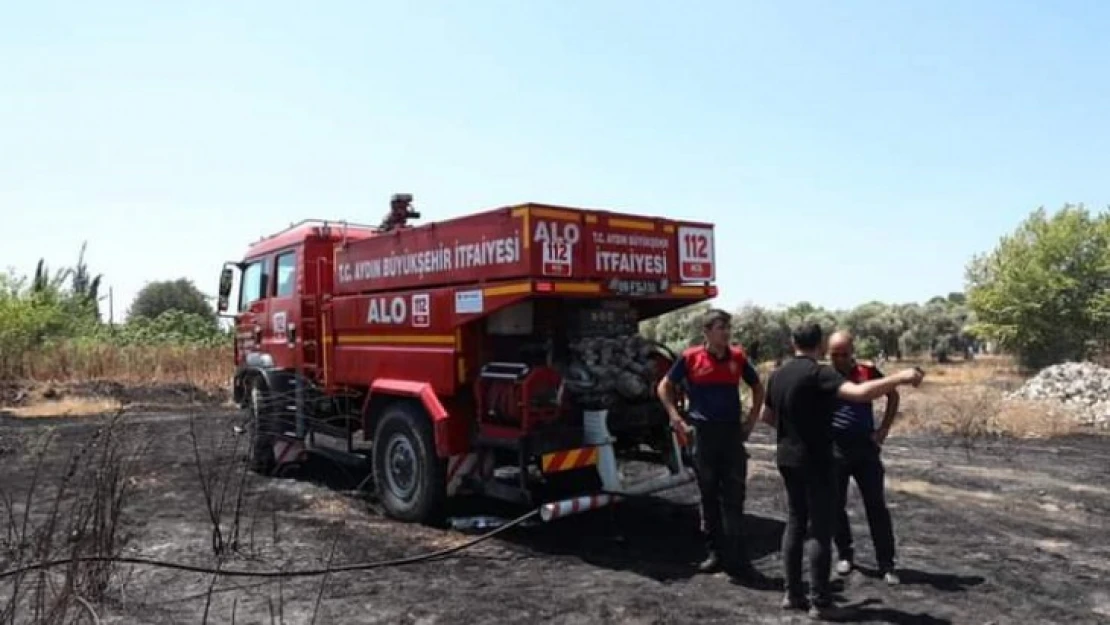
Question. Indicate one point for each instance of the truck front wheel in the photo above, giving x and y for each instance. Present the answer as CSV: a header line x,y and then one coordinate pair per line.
x,y
410,478
262,445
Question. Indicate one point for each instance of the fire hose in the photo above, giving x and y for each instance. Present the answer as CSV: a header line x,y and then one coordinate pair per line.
x,y
315,572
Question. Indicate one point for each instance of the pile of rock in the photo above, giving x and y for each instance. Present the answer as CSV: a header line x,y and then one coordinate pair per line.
x,y
1082,387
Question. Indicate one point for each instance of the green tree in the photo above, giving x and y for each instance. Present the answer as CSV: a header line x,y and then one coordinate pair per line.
x,y
80,299
868,347
879,325
805,312
762,332
85,289
678,329
1044,291
172,327
181,295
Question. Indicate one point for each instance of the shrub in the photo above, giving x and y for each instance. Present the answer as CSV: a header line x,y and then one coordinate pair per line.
x,y
49,332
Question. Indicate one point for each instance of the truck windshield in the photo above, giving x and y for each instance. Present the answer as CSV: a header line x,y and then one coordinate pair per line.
x,y
250,288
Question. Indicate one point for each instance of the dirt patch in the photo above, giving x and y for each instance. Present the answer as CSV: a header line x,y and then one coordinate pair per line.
x,y
998,474
61,399
949,494
67,407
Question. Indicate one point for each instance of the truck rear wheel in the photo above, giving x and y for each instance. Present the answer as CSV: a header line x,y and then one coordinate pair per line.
x,y
410,478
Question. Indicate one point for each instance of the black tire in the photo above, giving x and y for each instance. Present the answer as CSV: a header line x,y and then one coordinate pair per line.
x,y
410,478
262,458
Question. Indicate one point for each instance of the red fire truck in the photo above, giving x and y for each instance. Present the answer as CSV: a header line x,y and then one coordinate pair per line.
x,y
496,353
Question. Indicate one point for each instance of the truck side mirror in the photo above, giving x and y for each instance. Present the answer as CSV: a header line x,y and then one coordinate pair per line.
x,y
226,277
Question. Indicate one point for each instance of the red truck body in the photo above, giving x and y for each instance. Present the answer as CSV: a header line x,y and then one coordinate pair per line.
x,y
460,339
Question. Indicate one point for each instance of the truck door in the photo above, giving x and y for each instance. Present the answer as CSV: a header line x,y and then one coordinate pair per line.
x,y
282,309
251,320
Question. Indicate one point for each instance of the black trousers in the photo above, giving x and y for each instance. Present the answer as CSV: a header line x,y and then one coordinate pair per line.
x,y
859,459
721,466
811,507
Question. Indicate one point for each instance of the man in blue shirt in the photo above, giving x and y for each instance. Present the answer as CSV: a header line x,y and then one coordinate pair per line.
x,y
710,376
856,447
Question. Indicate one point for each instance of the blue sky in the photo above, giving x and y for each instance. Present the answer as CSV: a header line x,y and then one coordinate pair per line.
x,y
846,151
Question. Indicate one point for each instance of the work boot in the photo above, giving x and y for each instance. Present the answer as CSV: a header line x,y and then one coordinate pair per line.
x,y
794,602
711,564
742,572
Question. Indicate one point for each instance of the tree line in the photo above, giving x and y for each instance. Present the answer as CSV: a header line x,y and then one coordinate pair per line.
x,y
940,327
1042,294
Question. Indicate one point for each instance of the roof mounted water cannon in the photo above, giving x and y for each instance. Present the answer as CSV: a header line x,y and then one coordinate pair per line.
x,y
400,211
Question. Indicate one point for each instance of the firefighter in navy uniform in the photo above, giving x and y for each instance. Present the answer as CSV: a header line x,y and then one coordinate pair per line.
x,y
711,376
857,445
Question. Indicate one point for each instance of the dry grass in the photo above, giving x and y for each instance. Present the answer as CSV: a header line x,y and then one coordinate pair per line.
x,y
993,370
67,407
999,370
968,400
980,411
208,368
76,379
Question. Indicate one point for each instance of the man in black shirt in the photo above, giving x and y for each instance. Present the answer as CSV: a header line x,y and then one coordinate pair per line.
x,y
800,400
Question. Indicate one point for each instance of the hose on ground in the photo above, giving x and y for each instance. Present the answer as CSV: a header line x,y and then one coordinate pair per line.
x,y
343,568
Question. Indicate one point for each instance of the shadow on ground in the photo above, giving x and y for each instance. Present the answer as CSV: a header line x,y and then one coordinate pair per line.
x,y
657,539
943,582
653,537
867,611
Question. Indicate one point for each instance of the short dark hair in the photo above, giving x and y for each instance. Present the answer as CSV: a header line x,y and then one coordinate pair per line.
x,y
714,315
807,335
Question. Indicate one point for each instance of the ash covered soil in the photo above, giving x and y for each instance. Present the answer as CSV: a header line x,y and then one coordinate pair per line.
x,y
1014,532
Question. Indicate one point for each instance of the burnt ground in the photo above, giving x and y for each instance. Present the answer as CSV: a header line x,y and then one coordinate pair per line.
x,y
1009,532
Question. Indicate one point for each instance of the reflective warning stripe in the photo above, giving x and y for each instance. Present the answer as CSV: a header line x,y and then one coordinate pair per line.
x,y
577,505
462,465
569,459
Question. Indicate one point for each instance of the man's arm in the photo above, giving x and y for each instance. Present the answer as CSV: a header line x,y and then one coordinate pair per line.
x,y
768,415
751,378
832,382
665,389
893,399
